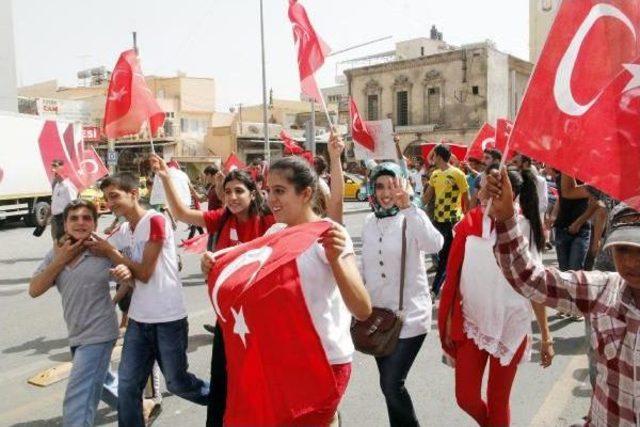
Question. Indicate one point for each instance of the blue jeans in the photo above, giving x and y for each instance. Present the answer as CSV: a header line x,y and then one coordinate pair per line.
x,y
144,343
572,248
90,380
393,371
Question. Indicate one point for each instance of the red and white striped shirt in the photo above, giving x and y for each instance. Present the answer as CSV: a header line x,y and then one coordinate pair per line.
x,y
615,321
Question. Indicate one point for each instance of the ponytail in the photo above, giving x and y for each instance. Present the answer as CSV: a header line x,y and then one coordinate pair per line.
x,y
530,207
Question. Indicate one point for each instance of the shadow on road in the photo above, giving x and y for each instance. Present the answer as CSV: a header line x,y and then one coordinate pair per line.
x,y
15,281
104,416
38,346
200,340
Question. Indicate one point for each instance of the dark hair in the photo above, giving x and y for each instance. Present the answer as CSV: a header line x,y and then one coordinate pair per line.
x,y
211,170
258,206
297,172
77,204
57,162
123,181
443,152
495,154
525,159
320,164
530,207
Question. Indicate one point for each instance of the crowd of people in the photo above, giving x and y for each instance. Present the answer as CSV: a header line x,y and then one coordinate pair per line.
x,y
484,227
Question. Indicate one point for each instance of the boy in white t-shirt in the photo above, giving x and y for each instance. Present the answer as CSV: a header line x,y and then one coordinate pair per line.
x,y
158,326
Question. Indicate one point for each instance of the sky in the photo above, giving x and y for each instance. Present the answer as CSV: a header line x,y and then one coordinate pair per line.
x,y
221,38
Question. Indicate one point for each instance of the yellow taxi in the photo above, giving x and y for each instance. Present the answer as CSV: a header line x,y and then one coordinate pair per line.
x,y
94,195
353,186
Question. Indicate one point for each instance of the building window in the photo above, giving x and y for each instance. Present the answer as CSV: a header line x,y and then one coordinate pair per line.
x,y
184,125
421,50
433,104
475,90
402,105
372,107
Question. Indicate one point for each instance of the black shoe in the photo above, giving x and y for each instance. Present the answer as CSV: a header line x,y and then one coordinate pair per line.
x,y
209,328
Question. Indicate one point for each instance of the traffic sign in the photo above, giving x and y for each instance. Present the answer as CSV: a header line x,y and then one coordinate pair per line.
x,y
112,158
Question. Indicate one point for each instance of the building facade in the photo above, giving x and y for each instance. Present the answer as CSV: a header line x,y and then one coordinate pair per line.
x,y
445,94
541,16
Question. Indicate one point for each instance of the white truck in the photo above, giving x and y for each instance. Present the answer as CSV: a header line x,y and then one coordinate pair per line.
x,y
27,146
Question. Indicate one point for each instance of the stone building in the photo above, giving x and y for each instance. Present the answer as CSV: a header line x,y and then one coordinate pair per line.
x,y
541,16
439,91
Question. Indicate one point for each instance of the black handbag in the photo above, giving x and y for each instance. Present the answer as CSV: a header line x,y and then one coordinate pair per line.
x,y
379,334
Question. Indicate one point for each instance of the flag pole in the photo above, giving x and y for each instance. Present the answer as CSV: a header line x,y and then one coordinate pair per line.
x,y
267,148
153,149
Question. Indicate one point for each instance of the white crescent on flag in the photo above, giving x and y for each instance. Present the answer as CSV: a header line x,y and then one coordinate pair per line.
x,y
485,143
562,88
260,256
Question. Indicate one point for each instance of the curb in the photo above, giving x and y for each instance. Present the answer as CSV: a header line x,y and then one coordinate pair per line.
x,y
355,211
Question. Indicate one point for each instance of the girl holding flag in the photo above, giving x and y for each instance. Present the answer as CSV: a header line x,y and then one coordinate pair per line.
x,y
481,319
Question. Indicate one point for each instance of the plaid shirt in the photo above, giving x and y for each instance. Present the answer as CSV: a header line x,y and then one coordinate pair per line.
x,y
615,322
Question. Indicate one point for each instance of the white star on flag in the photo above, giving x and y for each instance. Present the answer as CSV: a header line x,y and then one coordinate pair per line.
x,y
634,70
240,326
117,94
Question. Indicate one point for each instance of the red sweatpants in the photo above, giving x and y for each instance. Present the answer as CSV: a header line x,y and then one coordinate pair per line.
x,y
470,365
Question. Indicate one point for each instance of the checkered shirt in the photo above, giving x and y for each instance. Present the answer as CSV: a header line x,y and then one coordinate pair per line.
x,y
615,322
447,205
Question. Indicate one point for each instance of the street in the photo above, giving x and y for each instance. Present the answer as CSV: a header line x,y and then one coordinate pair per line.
x,y
34,339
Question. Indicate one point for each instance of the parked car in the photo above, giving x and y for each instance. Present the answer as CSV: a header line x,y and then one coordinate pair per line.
x,y
354,187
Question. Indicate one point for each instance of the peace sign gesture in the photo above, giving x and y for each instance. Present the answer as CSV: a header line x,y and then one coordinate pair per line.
x,y
400,193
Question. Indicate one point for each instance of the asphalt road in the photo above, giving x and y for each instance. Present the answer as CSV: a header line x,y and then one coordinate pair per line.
x,y
34,338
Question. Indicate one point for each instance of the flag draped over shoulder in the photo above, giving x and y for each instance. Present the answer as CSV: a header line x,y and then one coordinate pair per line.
x,y
130,103
278,372
581,112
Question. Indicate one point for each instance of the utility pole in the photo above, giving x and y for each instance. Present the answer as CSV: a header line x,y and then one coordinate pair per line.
x,y
265,125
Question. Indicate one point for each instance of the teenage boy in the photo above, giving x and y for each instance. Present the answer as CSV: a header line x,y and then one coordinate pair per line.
x,y
610,299
83,282
448,186
158,326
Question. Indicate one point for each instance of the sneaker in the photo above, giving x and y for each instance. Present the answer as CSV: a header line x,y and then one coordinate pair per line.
x,y
578,318
209,328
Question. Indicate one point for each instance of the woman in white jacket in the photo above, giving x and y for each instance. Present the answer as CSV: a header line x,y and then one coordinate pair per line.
x,y
381,268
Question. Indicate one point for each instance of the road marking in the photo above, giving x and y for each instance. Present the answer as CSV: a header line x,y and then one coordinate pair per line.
x,y
560,394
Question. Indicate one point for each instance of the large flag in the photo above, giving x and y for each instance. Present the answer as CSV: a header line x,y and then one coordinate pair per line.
x,y
130,103
311,49
290,146
581,112
278,372
359,131
81,165
485,138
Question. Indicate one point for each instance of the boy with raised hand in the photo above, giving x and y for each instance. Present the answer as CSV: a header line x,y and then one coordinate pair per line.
x,y
158,326
610,299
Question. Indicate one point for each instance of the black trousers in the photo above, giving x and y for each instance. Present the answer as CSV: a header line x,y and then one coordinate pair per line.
x,y
446,229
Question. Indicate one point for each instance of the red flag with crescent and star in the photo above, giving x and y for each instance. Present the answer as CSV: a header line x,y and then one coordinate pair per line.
x,y
485,138
312,50
503,130
359,131
233,162
130,103
290,146
581,111
278,372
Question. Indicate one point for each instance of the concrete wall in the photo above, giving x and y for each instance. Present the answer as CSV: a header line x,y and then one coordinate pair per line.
x,y
541,16
497,85
8,92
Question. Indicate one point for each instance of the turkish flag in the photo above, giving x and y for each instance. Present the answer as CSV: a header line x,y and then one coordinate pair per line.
x,y
129,101
359,131
486,138
290,146
503,131
81,165
278,372
311,49
457,150
580,112
233,162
